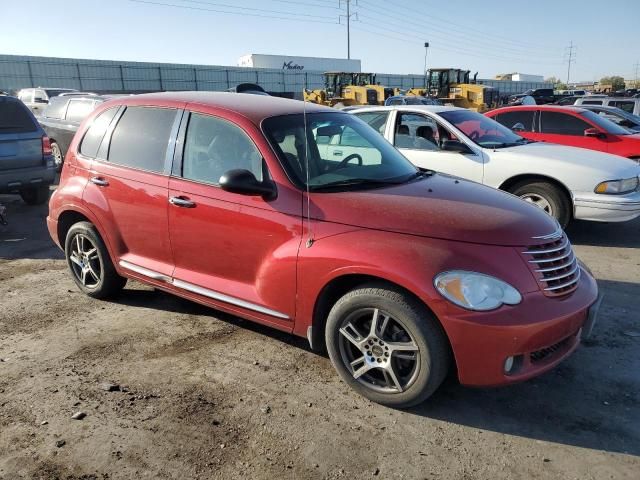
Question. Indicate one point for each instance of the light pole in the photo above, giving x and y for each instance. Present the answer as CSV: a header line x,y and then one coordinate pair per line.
x,y
426,50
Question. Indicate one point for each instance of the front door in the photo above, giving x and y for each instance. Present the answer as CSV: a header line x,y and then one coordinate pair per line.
x,y
566,129
419,137
229,247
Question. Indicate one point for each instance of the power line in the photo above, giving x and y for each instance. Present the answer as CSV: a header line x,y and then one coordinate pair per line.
x,y
215,4
243,13
570,58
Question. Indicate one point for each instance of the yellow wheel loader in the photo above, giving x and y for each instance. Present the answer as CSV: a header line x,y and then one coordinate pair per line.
x,y
343,89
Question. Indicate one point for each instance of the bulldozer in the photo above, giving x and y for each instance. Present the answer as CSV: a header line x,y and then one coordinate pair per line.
x,y
452,85
343,89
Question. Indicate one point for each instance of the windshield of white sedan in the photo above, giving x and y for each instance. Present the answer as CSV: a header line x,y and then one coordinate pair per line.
x,y
340,151
482,130
605,124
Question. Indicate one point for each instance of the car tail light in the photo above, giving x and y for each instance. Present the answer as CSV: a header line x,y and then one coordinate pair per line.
x,y
46,147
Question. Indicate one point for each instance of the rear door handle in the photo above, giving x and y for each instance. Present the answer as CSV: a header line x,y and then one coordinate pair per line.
x,y
337,153
182,202
99,181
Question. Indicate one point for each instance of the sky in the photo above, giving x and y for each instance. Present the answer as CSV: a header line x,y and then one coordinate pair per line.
x,y
485,36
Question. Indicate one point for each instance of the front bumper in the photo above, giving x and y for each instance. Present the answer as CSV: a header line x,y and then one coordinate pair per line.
x,y
539,333
607,208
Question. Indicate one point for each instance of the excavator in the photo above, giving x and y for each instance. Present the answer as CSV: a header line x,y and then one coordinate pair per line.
x,y
452,85
343,89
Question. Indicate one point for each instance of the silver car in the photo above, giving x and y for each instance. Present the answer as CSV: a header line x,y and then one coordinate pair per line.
x,y
629,105
38,98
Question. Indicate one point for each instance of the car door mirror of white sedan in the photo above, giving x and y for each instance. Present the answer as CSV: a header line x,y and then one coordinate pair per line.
x,y
455,146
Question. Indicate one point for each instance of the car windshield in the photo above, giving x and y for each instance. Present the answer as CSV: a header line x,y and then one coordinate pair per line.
x,y
481,130
605,124
340,152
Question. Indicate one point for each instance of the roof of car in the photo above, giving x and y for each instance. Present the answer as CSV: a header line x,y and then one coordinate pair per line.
x,y
254,107
418,108
565,108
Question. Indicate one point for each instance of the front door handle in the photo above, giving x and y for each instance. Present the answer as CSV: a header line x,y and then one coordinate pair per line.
x,y
101,182
337,153
182,202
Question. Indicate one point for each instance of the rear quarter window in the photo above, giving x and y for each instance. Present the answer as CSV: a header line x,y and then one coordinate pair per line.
x,y
93,138
15,117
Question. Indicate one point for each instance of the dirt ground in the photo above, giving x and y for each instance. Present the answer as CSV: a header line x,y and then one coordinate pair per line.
x,y
206,395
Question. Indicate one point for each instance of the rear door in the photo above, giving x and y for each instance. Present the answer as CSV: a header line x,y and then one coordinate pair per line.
x,y
127,187
20,136
567,129
521,121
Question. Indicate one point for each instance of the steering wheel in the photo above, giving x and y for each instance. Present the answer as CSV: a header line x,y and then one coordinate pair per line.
x,y
475,135
347,159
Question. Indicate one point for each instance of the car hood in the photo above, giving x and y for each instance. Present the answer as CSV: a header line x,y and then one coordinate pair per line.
x,y
438,206
601,165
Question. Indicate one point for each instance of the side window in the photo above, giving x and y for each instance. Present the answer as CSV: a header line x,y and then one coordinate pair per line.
x,y
511,119
214,146
624,105
55,109
376,120
93,138
562,124
27,95
141,137
419,132
79,109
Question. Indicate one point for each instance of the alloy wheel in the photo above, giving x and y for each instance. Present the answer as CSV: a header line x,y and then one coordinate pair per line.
x,y
57,155
85,261
539,201
379,351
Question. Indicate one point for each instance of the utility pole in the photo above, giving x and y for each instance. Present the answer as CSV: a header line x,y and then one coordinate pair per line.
x,y
570,54
426,50
348,17
636,85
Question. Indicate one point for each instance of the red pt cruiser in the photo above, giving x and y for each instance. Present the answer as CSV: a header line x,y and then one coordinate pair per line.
x,y
232,201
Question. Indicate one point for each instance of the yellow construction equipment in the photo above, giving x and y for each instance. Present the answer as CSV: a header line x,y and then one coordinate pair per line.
x,y
452,85
343,89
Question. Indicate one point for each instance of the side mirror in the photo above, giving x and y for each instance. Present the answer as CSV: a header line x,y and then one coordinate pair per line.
x,y
244,182
594,132
518,127
455,146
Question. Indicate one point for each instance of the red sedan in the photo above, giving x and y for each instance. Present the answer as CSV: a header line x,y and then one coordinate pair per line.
x,y
235,201
573,126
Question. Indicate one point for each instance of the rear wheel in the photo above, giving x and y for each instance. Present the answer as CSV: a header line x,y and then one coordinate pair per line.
x,y
35,195
58,159
90,263
386,346
547,197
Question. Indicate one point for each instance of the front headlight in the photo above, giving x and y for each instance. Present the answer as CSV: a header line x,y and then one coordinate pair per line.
x,y
475,291
616,187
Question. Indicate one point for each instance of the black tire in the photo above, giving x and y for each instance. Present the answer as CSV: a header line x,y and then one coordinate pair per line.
x,y
559,204
58,158
35,195
109,283
433,353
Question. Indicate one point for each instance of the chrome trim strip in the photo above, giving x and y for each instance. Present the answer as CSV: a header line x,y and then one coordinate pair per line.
x,y
145,271
559,267
556,234
566,284
554,259
564,275
548,250
227,299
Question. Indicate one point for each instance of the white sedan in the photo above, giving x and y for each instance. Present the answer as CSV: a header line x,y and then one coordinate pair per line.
x,y
566,182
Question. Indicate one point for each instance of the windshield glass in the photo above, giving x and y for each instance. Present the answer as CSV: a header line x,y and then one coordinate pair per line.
x,y
605,124
341,151
482,130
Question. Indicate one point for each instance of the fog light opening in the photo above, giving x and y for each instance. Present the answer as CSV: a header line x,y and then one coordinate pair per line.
x,y
512,364
508,364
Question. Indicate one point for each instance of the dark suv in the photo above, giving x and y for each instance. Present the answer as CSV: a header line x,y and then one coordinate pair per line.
x,y
61,119
26,162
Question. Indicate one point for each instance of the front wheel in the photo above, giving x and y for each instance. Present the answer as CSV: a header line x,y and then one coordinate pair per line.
x,y
547,197
387,346
58,158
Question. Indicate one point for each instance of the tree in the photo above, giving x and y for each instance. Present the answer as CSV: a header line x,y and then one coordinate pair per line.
x,y
557,83
616,82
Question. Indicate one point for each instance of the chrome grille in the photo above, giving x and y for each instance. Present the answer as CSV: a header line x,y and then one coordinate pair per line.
x,y
555,266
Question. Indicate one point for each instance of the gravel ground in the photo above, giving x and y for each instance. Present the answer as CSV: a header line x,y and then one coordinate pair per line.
x,y
201,394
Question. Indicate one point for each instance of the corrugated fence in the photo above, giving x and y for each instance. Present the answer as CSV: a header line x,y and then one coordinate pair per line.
x,y
18,72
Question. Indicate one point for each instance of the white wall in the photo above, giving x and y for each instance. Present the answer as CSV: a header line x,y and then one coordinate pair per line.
x,y
299,64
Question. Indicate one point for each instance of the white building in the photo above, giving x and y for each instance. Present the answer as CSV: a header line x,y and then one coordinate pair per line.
x,y
304,64
526,77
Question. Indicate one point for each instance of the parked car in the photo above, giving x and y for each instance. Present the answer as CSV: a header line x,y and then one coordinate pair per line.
x,y
629,105
566,100
573,126
250,88
26,163
567,183
232,201
540,95
61,119
617,116
38,98
411,100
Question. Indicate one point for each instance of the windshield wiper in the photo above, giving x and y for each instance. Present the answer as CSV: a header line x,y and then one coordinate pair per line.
x,y
353,182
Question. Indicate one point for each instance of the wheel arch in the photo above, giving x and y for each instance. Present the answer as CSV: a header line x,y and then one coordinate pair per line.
x,y
338,287
511,182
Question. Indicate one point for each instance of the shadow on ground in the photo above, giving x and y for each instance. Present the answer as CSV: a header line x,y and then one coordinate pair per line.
x,y
625,234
